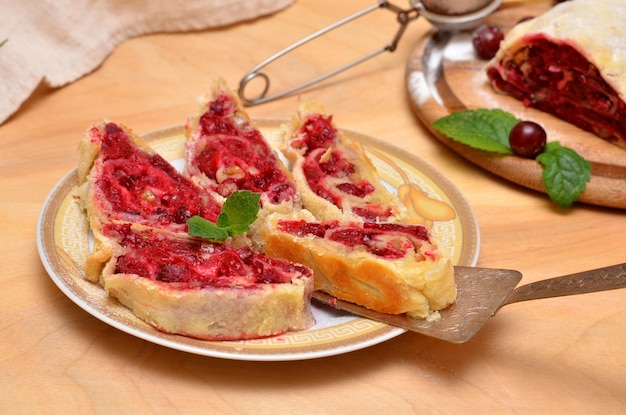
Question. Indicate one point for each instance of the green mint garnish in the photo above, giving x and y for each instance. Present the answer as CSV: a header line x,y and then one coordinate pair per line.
x,y
198,226
238,213
481,129
565,173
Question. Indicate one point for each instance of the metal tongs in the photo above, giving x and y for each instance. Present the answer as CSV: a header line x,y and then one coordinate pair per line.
x,y
403,17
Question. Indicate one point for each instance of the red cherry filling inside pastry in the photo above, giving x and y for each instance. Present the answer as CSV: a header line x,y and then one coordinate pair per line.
x,y
556,78
196,263
235,156
329,174
137,183
387,240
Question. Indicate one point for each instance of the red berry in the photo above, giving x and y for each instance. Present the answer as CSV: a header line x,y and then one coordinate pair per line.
x,y
486,40
527,139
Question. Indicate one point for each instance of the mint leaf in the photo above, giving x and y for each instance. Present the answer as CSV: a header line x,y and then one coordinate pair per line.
x,y
482,129
238,213
3,42
198,226
565,173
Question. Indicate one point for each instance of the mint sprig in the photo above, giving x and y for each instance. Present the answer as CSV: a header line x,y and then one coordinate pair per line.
x,y
238,213
565,173
481,129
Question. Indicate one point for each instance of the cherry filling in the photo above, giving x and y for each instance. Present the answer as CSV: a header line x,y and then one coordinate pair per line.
x,y
557,79
372,212
387,240
318,132
195,263
329,174
239,163
146,185
237,157
218,117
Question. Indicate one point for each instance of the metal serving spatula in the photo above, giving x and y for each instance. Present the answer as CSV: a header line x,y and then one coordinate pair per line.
x,y
481,292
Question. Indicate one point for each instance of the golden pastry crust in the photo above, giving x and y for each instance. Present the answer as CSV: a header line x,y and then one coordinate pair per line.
x,y
417,284
210,313
219,314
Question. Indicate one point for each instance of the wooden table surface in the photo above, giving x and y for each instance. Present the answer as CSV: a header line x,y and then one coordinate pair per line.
x,y
562,355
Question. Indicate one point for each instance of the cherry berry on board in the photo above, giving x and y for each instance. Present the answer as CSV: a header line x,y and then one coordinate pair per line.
x,y
486,40
527,139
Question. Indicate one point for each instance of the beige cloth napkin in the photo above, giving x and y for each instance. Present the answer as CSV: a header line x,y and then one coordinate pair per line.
x,y
59,41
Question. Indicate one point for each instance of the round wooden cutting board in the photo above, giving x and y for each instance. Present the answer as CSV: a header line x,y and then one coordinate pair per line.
x,y
444,75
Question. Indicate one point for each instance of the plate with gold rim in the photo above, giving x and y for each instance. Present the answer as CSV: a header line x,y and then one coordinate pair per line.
x,y
64,243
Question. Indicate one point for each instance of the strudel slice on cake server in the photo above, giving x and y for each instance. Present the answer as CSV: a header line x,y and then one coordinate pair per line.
x,y
351,232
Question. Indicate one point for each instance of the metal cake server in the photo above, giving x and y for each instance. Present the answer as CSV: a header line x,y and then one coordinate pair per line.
x,y
481,292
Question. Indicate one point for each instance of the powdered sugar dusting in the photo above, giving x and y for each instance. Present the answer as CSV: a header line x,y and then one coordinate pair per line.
x,y
460,48
482,89
418,88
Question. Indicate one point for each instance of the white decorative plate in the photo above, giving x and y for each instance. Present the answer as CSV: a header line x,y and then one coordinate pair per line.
x,y
63,243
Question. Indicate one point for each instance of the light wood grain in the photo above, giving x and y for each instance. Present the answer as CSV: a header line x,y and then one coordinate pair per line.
x,y
549,356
